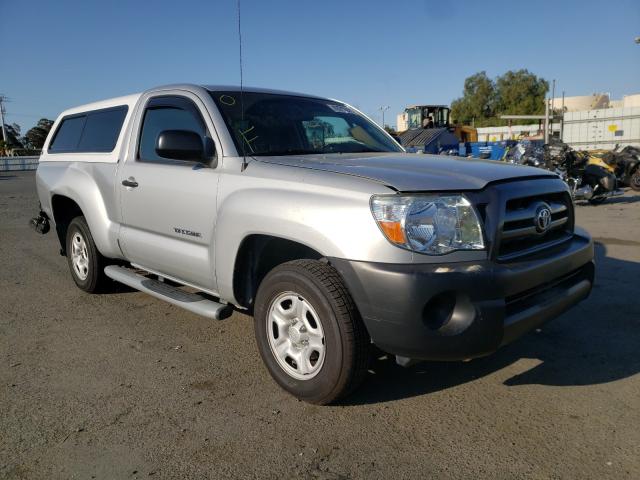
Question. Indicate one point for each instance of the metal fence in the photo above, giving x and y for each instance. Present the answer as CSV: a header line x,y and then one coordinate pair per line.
x,y
18,163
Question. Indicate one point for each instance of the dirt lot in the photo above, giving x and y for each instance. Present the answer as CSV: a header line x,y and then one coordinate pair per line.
x,y
126,386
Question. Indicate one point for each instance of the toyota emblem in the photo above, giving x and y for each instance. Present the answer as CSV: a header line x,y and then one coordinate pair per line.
x,y
543,218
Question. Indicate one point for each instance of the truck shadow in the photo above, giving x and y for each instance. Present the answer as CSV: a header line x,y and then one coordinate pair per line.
x,y
595,343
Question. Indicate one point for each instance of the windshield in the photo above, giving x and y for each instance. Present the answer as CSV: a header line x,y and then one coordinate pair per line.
x,y
276,124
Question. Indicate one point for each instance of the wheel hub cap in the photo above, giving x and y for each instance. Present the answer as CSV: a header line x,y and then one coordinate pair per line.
x,y
79,256
296,336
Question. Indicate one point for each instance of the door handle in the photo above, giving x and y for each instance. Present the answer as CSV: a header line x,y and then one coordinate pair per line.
x,y
130,182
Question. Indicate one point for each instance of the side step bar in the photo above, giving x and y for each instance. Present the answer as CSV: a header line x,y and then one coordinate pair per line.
x,y
194,302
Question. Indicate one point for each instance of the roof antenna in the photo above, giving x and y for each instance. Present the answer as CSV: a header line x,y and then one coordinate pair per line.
x,y
244,153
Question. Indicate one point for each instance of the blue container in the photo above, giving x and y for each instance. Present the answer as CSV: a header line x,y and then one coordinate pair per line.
x,y
476,148
489,150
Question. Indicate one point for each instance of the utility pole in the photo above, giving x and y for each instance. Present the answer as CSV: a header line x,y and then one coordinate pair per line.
x,y
546,121
383,109
4,130
553,97
562,121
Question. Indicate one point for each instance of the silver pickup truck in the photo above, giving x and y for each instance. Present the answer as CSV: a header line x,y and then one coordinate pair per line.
x,y
302,212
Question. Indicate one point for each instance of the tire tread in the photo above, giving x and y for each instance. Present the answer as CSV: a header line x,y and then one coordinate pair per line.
x,y
350,323
98,281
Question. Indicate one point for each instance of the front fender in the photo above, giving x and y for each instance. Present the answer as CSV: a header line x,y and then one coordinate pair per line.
x,y
335,221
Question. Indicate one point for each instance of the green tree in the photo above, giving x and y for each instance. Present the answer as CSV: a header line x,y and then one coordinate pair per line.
x,y
13,136
477,102
520,93
484,100
36,136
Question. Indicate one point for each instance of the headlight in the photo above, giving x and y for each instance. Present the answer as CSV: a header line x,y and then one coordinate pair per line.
x,y
431,224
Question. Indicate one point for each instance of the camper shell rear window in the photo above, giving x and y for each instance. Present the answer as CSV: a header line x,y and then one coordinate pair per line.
x,y
96,131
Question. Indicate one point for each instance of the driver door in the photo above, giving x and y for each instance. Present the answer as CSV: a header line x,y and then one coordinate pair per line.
x,y
169,205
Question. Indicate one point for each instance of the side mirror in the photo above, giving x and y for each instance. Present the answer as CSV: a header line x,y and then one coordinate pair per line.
x,y
180,145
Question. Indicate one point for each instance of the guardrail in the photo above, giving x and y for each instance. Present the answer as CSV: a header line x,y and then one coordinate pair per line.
x,y
18,163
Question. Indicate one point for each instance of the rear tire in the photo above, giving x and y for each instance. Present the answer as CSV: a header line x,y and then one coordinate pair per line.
x,y
309,332
86,263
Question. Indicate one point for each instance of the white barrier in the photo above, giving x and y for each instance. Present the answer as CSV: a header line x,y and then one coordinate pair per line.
x,y
18,163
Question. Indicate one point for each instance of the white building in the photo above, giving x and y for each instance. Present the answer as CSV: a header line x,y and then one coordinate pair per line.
x,y
582,102
402,122
595,101
628,101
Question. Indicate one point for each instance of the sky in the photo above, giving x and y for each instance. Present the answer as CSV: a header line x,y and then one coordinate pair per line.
x,y
369,53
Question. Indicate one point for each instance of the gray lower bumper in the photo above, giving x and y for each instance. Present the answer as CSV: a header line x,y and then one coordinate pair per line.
x,y
468,309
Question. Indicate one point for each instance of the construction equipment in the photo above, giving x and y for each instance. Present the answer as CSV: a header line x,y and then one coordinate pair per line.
x,y
429,130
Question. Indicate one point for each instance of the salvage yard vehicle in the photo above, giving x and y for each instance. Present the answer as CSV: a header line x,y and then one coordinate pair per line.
x,y
302,212
588,176
626,163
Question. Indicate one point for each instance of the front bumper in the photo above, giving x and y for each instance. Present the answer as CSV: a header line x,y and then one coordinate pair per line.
x,y
464,310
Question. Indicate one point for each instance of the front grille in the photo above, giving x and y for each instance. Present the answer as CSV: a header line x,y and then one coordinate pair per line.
x,y
521,233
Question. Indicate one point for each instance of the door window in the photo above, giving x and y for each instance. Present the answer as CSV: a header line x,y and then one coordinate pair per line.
x,y
167,113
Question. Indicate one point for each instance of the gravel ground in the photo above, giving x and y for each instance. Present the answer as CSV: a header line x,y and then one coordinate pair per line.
x,y
126,386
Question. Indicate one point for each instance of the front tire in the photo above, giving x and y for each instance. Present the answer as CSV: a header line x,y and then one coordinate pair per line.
x,y
309,332
85,261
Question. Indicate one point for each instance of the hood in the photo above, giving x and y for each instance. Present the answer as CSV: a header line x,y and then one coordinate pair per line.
x,y
412,172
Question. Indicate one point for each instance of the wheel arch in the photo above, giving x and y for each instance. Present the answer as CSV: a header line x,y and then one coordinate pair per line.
x,y
64,210
257,255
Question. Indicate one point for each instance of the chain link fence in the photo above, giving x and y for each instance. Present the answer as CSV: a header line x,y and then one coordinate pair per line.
x,y
18,163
